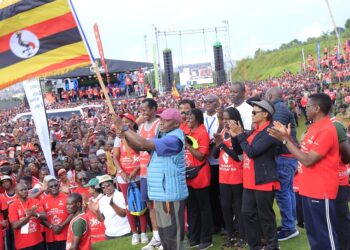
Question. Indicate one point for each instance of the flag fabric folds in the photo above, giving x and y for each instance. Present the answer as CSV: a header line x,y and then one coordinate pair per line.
x,y
174,92
38,38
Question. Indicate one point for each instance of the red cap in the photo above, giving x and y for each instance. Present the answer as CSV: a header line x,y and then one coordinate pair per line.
x,y
129,116
3,162
61,171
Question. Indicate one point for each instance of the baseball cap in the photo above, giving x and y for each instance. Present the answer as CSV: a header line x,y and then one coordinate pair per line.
x,y
6,177
49,178
61,171
100,152
93,183
129,116
192,141
171,114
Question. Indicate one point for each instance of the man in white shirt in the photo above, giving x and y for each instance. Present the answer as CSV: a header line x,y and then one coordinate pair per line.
x,y
211,123
237,95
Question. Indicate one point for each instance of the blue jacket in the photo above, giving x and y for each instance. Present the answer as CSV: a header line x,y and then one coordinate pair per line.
x,y
166,177
284,116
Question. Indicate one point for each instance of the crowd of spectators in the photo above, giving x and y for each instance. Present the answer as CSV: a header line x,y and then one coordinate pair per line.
x,y
97,157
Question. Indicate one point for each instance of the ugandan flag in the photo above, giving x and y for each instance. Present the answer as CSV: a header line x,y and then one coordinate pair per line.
x,y
38,38
174,92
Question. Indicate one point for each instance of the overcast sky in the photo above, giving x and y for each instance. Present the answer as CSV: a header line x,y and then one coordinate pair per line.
x,y
253,24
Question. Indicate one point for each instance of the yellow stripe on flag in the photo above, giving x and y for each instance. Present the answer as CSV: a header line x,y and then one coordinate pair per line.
x,y
36,15
6,3
41,61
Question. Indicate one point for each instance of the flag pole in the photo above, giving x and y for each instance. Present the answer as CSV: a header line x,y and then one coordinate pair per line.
x,y
99,77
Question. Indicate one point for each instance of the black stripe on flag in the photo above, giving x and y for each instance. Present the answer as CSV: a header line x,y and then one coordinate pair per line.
x,y
48,43
20,7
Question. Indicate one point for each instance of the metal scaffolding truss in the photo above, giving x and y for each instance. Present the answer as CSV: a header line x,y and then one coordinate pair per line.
x,y
227,48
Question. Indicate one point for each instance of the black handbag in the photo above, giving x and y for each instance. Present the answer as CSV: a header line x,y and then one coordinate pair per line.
x,y
192,172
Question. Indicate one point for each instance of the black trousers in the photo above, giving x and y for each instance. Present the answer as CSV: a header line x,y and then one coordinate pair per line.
x,y
343,217
257,212
56,245
231,205
299,206
40,246
218,221
199,215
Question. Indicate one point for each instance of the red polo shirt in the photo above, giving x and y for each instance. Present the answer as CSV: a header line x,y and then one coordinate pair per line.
x,y
203,178
55,208
248,167
31,235
320,181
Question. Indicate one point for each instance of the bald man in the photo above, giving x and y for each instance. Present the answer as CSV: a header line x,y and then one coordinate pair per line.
x,y
287,165
25,216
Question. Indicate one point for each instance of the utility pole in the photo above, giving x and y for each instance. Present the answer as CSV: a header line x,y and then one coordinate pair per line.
x,y
146,47
156,33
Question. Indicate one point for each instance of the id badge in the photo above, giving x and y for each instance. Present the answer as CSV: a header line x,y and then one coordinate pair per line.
x,y
25,229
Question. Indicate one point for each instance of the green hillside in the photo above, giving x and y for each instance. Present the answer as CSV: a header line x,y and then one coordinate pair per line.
x,y
287,57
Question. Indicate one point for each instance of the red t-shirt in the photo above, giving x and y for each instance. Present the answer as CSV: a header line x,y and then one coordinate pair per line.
x,y
320,181
55,208
85,241
144,155
184,127
82,190
230,171
248,167
202,180
9,199
97,227
27,235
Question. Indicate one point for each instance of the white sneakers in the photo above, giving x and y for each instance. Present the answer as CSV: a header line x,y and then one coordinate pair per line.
x,y
152,245
135,239
144,238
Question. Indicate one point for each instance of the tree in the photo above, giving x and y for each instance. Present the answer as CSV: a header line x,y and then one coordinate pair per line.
x,y
347,24
340,30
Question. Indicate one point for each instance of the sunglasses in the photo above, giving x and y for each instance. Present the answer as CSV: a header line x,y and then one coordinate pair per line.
x,y
53,186
256,112
82,179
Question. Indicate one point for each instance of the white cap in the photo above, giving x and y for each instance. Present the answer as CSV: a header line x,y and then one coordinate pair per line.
x,y
100,152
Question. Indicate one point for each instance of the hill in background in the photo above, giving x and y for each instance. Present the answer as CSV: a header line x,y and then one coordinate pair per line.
x,y
288,57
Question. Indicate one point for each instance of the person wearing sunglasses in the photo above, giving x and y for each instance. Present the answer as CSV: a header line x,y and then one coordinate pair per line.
x,y
81,181
54,204
185,106
112,209
260,179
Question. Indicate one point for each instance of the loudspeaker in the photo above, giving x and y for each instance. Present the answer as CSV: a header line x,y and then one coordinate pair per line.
x,y
168,69
220,76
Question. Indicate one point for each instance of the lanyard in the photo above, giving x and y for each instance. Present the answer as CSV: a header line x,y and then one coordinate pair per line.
x,y
211,124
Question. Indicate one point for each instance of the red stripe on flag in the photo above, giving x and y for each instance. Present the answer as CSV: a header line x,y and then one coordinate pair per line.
x,y
43,29
57,66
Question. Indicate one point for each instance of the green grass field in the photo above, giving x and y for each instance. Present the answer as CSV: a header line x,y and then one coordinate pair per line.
x,y
298,243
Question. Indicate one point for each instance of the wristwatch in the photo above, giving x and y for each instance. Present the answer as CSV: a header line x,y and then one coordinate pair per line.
x,y
284,142
125,128
120,171
37,215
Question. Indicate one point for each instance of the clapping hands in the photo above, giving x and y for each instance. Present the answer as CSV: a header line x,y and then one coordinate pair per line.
x,y
235,128
279,131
